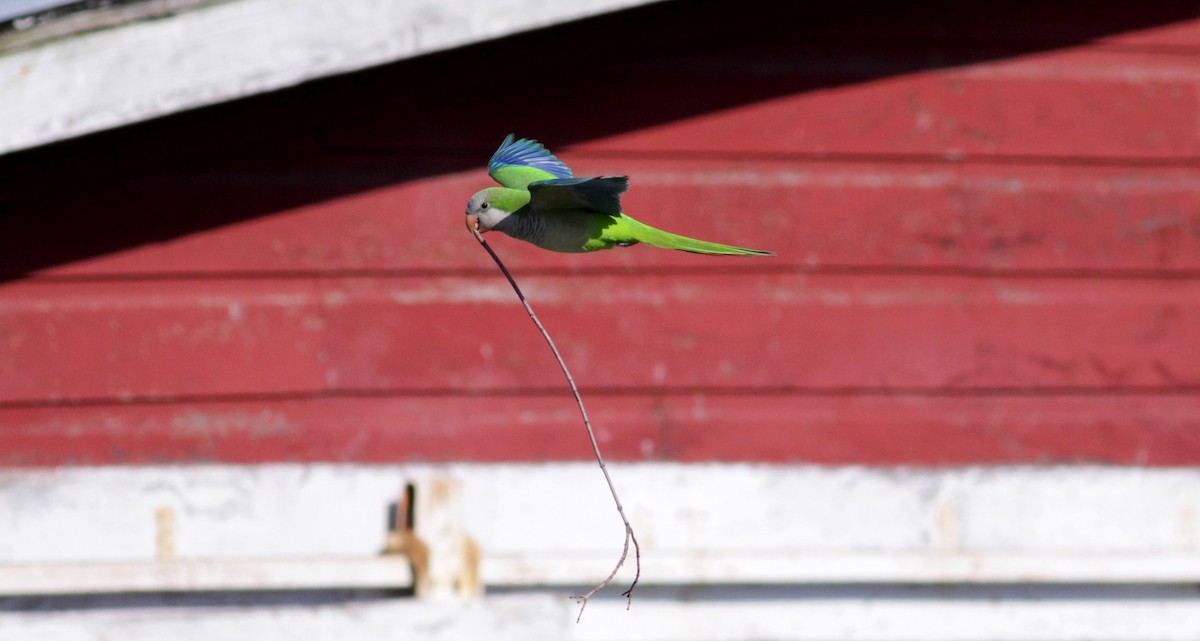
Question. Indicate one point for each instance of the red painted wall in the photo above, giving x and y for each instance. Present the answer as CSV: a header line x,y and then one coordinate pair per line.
x,y
987,221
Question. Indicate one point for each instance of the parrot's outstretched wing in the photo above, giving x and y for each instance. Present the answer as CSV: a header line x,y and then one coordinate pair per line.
x,y
601,194
517,163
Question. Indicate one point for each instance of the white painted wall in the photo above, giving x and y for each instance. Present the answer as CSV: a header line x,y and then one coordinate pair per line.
x,y
827,548
894,616
99,80
564,509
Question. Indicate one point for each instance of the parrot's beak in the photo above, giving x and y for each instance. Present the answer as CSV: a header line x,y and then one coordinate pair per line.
x,y
473,224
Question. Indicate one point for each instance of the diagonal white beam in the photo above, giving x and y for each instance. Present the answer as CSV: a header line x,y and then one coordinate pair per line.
x,y
103,79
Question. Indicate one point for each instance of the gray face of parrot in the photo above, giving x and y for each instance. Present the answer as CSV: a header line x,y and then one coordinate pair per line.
x,y
482,215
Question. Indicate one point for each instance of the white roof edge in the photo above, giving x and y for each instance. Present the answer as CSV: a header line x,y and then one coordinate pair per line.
x,y
104,79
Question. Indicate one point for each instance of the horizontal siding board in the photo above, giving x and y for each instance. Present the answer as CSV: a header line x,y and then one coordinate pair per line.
x,y
146,339
562,511
1164,26
940,430
872,215
1039,105
1179,35
1134,429
791,331
372,429
469,335
871,102
213,576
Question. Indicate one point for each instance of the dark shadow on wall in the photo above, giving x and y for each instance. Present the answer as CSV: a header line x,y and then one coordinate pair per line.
x,y
205,168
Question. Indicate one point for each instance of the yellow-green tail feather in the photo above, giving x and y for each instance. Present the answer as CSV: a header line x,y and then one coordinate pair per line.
x,y
644,233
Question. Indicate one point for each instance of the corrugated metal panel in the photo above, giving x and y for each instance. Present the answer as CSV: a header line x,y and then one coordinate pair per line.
x,y
987,249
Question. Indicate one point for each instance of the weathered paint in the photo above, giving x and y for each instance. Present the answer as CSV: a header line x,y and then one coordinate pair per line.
x,y
780,552
547,513
772,332
821,538
841,428
969,272
987,225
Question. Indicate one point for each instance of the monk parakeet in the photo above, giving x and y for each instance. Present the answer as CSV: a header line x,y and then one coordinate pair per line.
x,y
541,202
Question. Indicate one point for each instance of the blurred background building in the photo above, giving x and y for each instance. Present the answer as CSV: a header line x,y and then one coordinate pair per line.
x,y
256,381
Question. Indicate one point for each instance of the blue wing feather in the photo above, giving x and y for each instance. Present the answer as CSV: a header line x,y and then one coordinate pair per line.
x,y
525,152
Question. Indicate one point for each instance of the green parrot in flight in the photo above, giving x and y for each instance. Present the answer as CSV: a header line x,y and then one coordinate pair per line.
x,y
541,202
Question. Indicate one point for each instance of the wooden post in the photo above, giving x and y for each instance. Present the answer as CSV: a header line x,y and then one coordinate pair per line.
x,y
429,529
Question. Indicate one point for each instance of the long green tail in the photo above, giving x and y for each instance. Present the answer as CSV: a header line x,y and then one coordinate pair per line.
x,y
653,236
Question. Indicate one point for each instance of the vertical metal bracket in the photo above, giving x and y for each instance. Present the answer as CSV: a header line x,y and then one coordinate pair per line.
x,y
429,530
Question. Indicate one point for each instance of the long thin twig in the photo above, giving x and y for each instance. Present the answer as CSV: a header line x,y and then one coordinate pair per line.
x,y
582,599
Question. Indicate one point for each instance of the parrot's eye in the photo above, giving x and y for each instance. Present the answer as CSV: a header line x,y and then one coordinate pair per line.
x,y
484,206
